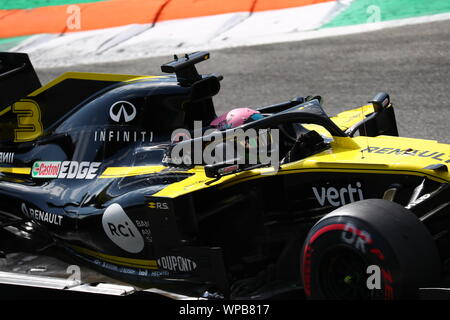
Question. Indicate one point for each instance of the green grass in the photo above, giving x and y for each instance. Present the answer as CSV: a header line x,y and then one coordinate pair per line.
x,y
29,4
365,11
8,43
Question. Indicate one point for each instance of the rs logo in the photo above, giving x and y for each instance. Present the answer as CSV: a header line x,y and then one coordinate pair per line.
x,y
29,125
158,205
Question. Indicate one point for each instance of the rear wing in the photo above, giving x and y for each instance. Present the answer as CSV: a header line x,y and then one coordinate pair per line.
x,y
17,78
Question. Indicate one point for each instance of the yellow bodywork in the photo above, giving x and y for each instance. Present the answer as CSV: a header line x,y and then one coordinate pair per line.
x,y
379,155
351,155
346,119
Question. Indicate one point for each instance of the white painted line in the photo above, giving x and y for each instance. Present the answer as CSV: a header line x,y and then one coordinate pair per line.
x,y
337,31
175,36
285,21
172,36
204,33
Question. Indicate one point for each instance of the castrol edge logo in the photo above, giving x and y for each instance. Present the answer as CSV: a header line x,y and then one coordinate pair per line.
x,y
65,169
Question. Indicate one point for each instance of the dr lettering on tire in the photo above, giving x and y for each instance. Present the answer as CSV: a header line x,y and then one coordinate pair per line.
x,y
343,244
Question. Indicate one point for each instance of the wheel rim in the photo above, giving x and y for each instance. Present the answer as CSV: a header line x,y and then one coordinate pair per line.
x,y
343,275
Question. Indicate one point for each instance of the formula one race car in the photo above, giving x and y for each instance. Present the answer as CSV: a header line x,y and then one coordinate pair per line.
x,y
340,207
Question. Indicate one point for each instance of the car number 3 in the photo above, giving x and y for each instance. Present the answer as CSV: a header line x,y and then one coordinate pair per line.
x,y
29,125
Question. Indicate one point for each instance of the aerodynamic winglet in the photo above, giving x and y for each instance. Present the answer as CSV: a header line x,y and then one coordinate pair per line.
x,y
17,77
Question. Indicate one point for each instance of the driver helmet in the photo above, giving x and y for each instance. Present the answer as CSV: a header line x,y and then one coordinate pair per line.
x,y
236,118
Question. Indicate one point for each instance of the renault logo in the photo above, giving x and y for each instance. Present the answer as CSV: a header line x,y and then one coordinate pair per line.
x,y
122,110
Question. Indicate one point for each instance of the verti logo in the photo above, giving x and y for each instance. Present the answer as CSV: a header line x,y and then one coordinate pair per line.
x,y
338,197
122,110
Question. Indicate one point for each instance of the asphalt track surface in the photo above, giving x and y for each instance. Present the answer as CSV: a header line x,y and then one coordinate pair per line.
x,y
411,63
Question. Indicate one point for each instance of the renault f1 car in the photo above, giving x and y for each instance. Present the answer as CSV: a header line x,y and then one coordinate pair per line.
x,y
350,210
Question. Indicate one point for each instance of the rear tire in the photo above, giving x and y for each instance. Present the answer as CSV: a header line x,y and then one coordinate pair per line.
x,y
342,245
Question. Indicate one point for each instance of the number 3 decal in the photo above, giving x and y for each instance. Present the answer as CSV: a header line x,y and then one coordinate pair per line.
x,y
29,125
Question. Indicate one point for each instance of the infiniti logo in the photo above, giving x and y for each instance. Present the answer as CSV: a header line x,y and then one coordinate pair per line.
x,y
122,109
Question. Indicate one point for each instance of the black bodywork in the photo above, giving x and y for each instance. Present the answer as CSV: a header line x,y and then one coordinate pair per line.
x,y
239,240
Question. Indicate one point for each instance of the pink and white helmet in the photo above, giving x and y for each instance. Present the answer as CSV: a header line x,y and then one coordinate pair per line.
x,y
235,118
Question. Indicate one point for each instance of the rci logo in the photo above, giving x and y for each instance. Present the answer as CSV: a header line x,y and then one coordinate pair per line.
x,y
121,230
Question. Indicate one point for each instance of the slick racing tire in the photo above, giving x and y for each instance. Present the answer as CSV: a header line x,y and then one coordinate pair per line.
x,y
371,249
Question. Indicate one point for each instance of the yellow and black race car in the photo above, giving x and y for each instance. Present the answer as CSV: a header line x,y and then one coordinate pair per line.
x,y
122,174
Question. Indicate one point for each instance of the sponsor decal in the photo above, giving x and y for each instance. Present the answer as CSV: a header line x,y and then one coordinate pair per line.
x,y
121,230
177,263
144,228
6,157
65,169
356,237
439,156
42,216
228,169
338,197
122,111
132,271
45,169
122,136
158,205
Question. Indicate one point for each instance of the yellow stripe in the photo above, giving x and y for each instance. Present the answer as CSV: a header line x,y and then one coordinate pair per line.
x,y
198,181
144,78
137,263
348,165
119,172
5,111
91,76
15,170
332,170
111,172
